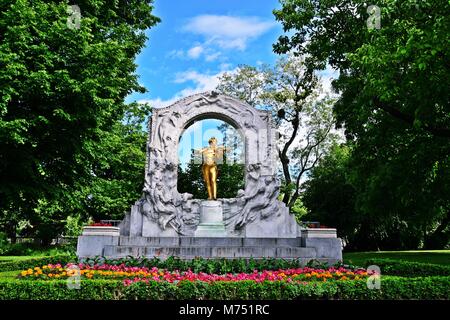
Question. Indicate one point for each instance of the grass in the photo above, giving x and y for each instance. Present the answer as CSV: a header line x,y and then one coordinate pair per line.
x,y
15,258
441,257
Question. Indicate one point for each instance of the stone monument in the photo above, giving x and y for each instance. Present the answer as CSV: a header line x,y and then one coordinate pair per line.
x,y
255,223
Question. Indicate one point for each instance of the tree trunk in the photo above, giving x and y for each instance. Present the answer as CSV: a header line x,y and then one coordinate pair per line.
x,y
11,232
284,157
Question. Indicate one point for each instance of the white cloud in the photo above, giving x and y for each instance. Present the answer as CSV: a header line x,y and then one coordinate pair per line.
x,y
327,76
202,82
176,54
212,56
225,66
158,102
228,32
195,52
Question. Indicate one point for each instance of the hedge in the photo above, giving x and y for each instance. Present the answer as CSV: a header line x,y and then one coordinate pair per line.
x,y
408,269
34,262
391,288
58,290
218,265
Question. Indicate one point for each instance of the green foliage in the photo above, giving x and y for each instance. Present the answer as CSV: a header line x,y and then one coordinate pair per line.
x,y
299,210
58,290
118,167
230,179
219,265
441,257
190,179
35,249
291,92
39,261
219,290
391,288
62,90
397,288
408,269
3,243
394,106
73,226
330,198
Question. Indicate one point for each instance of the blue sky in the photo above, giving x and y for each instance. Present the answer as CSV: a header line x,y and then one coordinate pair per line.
x,y
198,40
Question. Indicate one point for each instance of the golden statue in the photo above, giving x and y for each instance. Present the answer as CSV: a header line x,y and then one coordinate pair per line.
x,y
209,167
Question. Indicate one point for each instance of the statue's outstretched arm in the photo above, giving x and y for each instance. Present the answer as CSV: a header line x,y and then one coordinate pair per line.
x,y
200,150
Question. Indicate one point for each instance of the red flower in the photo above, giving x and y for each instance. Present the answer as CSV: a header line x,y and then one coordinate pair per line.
x,y
100,224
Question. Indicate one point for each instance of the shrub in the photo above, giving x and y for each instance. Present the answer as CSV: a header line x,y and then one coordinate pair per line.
x,y
4,244
409,269
31,249
218,265
391,288
58,290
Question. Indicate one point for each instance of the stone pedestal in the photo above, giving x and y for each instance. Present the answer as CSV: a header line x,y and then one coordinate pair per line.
x,y
211,220
101,231
319,233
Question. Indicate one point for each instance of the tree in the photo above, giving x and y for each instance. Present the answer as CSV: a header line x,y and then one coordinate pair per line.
x,y
118,169
332,196
291,92
247,84
61,88
231,169
393,103
190,179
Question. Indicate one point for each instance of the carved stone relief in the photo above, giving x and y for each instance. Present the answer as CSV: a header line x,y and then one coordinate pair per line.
x,y
166,212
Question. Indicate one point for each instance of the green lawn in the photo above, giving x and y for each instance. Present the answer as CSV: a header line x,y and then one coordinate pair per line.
x,y
16,258
425,256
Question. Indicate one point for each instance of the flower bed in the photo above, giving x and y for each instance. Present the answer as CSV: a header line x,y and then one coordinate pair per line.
x,y
391,288
202,279
135,274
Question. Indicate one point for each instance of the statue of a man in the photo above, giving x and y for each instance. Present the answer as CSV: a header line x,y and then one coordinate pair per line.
x,y
209,167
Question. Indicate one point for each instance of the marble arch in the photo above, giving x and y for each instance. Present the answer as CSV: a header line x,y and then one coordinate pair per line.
x,y
255,212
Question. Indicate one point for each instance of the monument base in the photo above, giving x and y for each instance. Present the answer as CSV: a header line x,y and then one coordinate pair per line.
x,y
325,250
211,220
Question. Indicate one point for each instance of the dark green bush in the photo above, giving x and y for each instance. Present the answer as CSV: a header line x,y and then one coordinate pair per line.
x,y
38,261
391,288
58,290
408,269
396,288
30,248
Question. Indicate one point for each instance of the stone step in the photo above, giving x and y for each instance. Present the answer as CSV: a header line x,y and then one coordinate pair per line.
x,y
208,241
210,251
